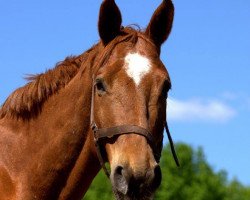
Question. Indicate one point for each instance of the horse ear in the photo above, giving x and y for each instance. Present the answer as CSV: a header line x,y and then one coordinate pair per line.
x,y
110,20
161,22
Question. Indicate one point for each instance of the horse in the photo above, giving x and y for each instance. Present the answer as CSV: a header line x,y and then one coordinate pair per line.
x,y
107,105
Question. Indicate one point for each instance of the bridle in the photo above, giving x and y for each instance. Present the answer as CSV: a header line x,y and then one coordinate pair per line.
x,y
101,134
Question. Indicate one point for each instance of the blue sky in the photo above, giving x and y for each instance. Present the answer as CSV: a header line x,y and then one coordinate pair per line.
x,y
207,55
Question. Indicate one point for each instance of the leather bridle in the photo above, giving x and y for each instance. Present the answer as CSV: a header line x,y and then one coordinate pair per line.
x,y
100,134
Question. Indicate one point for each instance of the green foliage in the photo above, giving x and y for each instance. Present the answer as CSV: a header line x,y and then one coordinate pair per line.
x,y
194,180
236,191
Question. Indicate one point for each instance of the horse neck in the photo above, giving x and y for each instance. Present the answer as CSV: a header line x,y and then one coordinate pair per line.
x,y
69,123
59,151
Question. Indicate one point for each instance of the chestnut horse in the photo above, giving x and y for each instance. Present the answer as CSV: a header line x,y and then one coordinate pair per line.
x,y
51,146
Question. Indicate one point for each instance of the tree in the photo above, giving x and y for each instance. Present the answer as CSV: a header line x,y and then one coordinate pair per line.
x,y
194,180
236,191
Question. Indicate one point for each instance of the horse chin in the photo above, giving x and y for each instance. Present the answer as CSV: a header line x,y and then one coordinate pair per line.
x,y
133,195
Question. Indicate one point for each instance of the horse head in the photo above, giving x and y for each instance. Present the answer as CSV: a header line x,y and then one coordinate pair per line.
x,y
130,87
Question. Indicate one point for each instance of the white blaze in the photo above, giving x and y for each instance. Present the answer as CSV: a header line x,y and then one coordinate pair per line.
x,y
137,66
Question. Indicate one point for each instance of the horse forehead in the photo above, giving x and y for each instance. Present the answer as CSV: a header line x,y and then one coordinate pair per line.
x,y
137,66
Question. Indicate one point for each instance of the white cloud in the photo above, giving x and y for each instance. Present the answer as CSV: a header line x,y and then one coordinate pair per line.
x,y
199,110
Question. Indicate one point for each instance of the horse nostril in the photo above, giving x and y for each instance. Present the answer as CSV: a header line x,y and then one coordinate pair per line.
x,y
119,170
157,177
120,180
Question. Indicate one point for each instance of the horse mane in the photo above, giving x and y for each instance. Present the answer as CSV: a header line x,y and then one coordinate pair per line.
x,y
26,101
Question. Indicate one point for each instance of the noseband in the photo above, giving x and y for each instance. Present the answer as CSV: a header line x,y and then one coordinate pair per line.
x,y
108,133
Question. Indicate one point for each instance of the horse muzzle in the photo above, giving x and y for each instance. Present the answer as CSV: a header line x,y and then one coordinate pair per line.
x,y
131,184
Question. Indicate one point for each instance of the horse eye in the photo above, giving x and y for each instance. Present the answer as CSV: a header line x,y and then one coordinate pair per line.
x,y
164,93
100,86
165,89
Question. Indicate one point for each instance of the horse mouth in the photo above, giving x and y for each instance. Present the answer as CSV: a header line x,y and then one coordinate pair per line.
x,y
134,194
